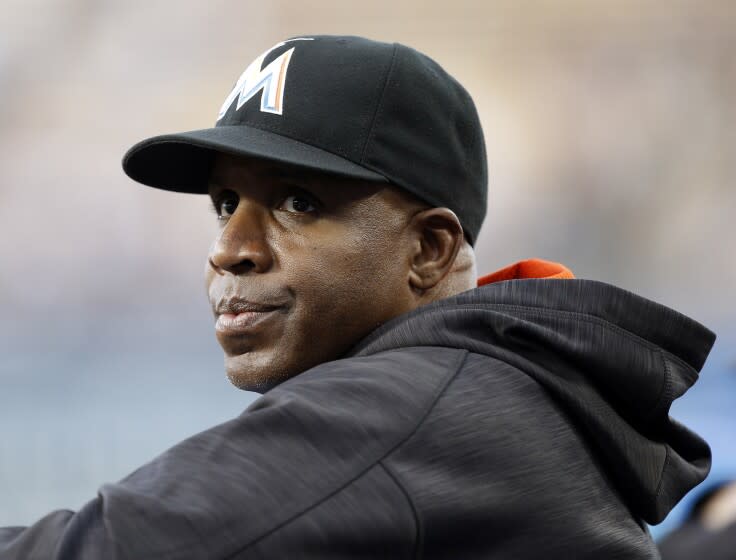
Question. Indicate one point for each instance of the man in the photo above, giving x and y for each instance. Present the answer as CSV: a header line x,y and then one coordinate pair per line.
x,y
406,413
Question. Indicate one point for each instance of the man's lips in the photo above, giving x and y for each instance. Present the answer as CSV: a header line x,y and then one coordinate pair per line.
x,y
235,316
240,322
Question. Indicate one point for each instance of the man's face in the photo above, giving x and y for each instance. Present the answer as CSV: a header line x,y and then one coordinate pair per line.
x,y
303,267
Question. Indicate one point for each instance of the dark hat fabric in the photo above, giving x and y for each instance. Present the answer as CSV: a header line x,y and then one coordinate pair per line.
x,y
341,105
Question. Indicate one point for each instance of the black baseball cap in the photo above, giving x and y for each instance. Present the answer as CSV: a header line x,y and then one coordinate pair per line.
x,y
342,105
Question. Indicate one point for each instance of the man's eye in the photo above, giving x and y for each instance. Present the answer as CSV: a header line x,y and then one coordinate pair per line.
x,y
298,203
226,205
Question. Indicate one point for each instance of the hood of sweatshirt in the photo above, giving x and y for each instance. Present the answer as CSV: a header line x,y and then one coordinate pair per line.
x,y
613,361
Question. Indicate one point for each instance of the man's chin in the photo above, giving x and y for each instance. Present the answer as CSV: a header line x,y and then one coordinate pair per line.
x,y
251,372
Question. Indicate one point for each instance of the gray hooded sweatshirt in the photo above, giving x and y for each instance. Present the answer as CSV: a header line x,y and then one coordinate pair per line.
x,y
523,419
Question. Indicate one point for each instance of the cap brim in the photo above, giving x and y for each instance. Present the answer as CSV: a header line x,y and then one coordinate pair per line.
x,y
182,162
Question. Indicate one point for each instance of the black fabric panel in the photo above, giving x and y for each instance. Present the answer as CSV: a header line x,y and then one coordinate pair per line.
x,y
497,471
368,519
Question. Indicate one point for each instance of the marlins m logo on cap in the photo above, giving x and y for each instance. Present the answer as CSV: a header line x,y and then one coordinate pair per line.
x,y
271,80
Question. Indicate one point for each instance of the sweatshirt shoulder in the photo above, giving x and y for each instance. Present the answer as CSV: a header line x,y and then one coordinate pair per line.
x,y
373,401
312,441
411,375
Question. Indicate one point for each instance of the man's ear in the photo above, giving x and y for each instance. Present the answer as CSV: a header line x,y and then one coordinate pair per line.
x,y
439,238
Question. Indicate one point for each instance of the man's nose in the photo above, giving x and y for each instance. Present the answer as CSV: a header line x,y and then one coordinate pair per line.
x,y
242,245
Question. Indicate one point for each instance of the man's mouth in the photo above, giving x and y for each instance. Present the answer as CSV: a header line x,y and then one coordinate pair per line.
x,y
240,322
239,316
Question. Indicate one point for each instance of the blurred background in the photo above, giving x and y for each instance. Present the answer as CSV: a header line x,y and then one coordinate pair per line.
x,y
611,135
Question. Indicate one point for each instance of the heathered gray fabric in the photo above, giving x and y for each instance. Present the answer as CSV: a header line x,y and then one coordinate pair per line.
x,y
524,419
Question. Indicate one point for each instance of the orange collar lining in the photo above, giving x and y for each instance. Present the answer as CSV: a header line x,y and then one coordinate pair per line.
x,y
530,268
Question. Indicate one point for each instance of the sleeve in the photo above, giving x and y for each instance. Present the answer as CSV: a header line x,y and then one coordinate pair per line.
x,y
308,449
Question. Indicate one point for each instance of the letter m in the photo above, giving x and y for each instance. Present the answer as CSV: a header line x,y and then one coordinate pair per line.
x,y
270,80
